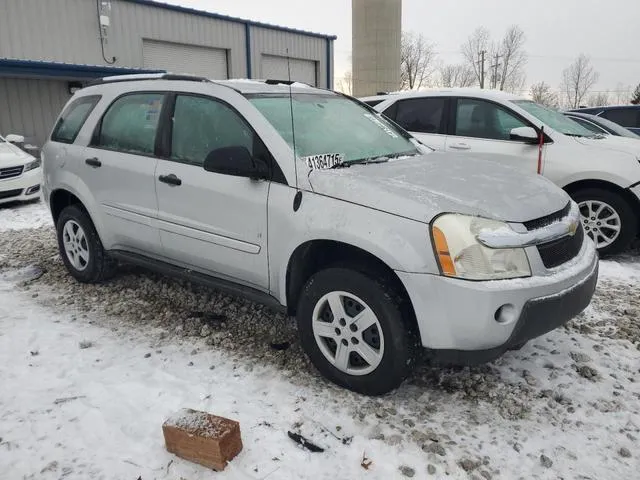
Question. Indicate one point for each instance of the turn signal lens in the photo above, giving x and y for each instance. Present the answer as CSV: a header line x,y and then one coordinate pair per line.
x,y
444,257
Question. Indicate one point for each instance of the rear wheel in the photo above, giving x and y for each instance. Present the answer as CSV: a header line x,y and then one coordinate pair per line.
x,y
352,328
607,219
80,247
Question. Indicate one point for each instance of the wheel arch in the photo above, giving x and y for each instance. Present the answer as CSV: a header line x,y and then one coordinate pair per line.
x,y
315,255
628,196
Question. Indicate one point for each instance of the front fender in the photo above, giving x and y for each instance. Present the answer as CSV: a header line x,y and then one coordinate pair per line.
x,y
402,244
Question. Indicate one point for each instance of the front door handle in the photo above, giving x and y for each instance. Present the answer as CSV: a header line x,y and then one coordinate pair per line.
x,y
460,146
170,180
93,162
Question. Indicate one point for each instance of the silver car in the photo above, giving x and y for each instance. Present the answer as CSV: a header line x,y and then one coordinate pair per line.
x,y
310,202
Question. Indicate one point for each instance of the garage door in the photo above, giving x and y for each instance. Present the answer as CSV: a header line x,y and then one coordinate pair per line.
x,y
190,59
275,68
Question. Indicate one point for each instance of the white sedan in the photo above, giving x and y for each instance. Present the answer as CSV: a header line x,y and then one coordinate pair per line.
x,y
601,174
20,174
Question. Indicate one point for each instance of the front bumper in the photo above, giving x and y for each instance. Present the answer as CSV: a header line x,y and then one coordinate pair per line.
x,y
457,318
24,188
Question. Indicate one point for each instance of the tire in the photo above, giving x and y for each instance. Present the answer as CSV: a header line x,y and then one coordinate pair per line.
x,y
90,263
589,199
394,347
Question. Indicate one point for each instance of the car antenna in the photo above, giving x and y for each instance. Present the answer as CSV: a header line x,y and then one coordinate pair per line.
x,y
293,128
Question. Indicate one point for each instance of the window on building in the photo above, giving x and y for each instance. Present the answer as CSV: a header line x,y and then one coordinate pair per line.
x,y
480,119
424,115
201,125
131,123
72,119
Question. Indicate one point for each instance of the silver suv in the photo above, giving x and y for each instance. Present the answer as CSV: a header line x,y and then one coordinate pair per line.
x,y
311,202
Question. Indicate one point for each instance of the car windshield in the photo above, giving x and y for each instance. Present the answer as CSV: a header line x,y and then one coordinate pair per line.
x,y
332,126
620,130
554,119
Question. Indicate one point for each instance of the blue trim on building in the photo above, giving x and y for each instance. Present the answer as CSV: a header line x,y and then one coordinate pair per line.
x,y
202,13
247,37
32,68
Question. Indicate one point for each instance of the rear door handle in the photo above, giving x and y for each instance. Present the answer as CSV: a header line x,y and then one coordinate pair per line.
x,y
170,180
460,146
93,162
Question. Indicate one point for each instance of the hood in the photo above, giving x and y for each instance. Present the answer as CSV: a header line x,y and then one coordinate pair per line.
x,y
11,156
610,142
424,186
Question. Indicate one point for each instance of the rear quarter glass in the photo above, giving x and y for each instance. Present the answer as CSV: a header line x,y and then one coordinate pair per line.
x,y
72,119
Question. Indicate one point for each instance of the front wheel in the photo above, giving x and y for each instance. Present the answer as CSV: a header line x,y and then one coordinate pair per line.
x,y
607,218
352,328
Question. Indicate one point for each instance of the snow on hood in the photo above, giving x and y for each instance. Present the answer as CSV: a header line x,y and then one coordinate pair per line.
x,y
610,142
424,186
10,155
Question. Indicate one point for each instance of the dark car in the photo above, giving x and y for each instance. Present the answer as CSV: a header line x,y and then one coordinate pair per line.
x,y
601,125
626,115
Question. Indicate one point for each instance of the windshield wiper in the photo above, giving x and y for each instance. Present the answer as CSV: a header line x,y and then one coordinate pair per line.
x,y
363,161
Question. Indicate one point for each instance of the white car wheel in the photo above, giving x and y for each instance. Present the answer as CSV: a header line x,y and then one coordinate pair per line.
x,y
600,221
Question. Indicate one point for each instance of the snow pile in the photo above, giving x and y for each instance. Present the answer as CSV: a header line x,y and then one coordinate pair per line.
x,y
22,216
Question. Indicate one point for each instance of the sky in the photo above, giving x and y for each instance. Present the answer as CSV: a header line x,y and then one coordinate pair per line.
x,y
557,31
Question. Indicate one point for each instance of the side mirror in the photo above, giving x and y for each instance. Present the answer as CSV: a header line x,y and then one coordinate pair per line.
x,y
525,134
236,161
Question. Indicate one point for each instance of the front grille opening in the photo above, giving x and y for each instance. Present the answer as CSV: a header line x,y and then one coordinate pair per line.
x,y
10,193
560,251
549,219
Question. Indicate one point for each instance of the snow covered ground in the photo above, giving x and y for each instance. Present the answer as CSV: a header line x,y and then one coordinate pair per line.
x,y
89,373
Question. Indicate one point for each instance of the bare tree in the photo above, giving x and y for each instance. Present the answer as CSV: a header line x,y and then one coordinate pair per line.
x,y
476,52
599,99
621,94
345,84
577,80
417,61
458,75
541,93
513,59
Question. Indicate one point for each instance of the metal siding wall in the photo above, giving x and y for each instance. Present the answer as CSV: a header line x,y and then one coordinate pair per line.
x,y
67,31
274,42
30,107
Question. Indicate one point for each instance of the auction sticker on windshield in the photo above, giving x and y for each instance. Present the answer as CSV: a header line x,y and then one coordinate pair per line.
x,y
323,160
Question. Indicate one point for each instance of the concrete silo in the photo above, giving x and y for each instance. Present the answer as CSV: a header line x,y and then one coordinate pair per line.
x,y
376,30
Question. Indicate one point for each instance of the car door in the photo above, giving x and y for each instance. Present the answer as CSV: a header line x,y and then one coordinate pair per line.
x,y
423,117
119,169
208,221
482,128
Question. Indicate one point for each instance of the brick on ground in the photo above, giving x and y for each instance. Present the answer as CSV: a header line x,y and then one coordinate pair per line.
x,y
202,438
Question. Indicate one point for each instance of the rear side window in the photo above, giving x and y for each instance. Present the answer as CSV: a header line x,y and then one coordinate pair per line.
x,y
627,117
130,124
424,115
72,119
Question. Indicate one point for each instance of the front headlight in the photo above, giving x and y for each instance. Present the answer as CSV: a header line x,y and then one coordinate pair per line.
x,y
461,255
32,165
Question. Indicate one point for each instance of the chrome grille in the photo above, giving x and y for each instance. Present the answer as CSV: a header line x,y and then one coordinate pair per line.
x,y
11,172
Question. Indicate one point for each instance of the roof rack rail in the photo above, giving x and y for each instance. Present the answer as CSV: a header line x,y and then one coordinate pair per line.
x,y
147,76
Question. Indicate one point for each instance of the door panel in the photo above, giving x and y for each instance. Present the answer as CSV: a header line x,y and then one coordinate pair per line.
x,y
482,129
119,168
212,222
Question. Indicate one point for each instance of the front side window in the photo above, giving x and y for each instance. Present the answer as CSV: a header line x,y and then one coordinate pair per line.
x,y
131,123
589,125
424,115
481,119
72,119
554,119
627,117
332,124
201,125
